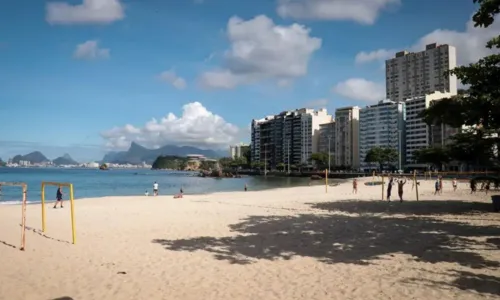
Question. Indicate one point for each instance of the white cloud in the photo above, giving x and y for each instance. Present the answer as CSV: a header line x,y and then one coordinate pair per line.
x,y
90,50
470,43
261,50
361,11
317,103
196,127
89,12
360,89
377,55
172,78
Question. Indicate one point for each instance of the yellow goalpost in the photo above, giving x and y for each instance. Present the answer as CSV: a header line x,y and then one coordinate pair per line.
x,y
23,213
71,200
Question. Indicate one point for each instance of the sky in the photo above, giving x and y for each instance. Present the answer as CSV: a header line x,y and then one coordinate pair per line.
x,y
87,77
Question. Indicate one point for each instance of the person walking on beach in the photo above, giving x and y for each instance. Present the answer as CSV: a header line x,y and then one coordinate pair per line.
x,y
155,189
401,183
472,186
355,186
389,189
436,187
454,183
59,195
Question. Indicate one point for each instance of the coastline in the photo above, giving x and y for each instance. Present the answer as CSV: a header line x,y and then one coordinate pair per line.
x,y
285,243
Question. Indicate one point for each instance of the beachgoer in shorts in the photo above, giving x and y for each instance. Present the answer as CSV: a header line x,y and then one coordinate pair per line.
x,y
59,196
436,187
454,183
401,183
146,193
155,189
355,186
389,189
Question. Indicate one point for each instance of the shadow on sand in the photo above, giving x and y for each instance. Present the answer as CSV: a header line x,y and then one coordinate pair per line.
x,y
361,239
419,208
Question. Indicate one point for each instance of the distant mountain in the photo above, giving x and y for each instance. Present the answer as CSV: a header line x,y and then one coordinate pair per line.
x,y
34,157
137,154
64,160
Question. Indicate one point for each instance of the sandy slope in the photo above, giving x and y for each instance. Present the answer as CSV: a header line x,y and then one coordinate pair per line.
x,y
296,243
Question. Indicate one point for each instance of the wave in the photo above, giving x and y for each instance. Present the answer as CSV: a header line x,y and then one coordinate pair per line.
x,y
18,202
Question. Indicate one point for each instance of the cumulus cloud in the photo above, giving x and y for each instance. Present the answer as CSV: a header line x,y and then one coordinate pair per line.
x,y
196,127
317,103
360,89
173,79
261,50
90,50
361,11
470,44
88,12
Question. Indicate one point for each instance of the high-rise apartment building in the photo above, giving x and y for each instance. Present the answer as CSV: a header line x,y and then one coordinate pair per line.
x,y
410,75
289,137
347,137
418,133
236,151
382,125
327,140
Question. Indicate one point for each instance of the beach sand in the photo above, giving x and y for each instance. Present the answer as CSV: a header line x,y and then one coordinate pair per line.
x,y
295,243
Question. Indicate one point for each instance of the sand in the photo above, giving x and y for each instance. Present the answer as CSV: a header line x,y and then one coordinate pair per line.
x,y
295,243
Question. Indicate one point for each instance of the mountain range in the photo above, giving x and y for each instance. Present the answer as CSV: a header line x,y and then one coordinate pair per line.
x,y
37,157
137,154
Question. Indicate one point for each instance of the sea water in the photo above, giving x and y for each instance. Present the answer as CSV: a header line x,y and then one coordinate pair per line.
x,y
91,183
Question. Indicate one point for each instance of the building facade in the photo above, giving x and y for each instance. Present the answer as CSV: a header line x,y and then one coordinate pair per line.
x,y
347,137
382,125
418,133
410,75
327,140
237,151
287,138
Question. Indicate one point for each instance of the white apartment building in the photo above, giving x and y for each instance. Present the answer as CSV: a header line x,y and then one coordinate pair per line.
x,y
382,125
410,75
347,137
289,137
418,133
235,151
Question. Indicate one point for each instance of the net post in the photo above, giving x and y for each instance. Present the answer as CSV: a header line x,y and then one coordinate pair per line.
x,y
72,204
382,187
23,218
416,182
326,180
43,206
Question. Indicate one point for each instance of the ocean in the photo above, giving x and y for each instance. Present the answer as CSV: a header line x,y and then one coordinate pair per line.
x,y
91,183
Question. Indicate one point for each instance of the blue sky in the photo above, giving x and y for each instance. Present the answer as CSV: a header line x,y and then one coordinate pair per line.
x,y
73,76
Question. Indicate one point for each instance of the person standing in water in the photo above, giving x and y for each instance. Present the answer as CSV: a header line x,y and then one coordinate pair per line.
x,y
59,196
401,183
246,188
155,189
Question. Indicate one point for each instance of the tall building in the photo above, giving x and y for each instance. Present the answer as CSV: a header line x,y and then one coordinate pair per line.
x,y
418,133
410,75
382,125
327,140
347,137
236,151
289,137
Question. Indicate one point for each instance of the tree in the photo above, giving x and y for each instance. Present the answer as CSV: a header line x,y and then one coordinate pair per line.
x,y
479,106
435,156
382,155
320,159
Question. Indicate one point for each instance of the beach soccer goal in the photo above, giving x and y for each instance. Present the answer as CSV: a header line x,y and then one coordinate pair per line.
x,y
24,186
71,201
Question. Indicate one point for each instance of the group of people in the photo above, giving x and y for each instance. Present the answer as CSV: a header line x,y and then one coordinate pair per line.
x,y
400,183
156,190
